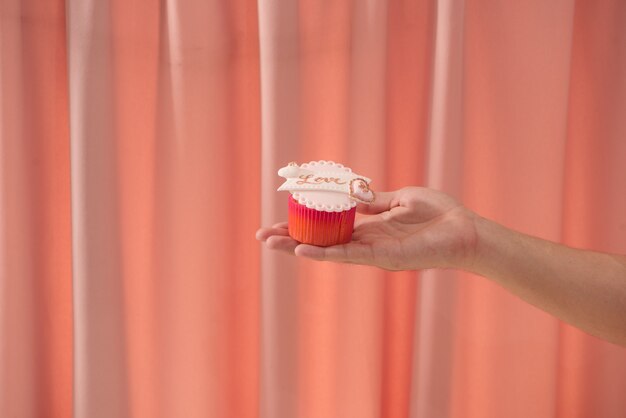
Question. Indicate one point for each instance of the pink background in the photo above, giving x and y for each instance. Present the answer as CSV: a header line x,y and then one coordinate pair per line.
x,y
139,149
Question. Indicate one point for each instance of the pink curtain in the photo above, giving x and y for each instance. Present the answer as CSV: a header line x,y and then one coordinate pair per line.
x,y
140,141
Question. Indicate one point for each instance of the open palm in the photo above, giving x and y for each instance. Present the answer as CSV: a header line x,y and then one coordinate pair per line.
x,y
411,228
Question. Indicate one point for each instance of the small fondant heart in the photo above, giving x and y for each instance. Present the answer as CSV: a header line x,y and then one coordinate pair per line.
x,y
360,191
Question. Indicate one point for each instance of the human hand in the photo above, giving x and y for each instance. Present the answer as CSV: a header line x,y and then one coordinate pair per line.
x,y
408,229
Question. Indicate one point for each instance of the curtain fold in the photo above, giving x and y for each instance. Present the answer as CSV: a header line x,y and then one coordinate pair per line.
x,y
138,155
36,353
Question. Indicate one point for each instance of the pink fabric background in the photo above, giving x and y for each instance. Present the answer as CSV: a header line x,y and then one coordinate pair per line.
x,y
138,154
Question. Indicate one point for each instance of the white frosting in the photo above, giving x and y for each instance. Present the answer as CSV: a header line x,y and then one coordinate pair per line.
x,y
325,186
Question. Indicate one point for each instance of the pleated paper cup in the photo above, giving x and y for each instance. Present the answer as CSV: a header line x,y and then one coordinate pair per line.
x,y
318,227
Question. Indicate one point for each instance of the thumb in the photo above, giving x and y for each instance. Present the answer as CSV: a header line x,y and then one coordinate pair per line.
x,y
383,202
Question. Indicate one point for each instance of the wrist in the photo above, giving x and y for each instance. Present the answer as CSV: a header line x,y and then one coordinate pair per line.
x,y
489,241
467,252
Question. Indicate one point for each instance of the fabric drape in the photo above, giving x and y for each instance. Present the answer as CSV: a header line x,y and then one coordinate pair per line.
x,y
138,155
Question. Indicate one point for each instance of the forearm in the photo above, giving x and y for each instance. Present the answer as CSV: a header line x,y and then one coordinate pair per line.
x,y
584,288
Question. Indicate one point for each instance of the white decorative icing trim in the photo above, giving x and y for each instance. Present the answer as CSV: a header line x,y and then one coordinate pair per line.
x,y
322,163
327,208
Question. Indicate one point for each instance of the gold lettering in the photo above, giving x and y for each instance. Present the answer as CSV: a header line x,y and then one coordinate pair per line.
x,y
305,179
310,179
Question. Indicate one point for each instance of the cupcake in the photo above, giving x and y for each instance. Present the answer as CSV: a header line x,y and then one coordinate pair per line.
x,y
322,201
